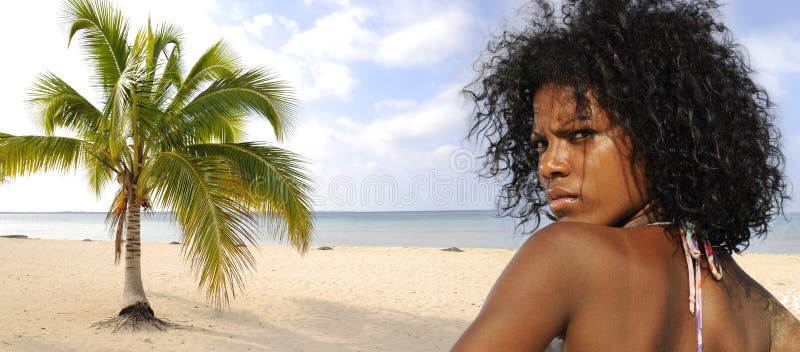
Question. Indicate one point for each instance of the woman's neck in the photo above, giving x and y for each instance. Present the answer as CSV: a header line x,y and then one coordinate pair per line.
x,y
648,214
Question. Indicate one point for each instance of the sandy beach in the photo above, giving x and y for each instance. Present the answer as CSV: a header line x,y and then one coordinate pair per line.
x,y
346,299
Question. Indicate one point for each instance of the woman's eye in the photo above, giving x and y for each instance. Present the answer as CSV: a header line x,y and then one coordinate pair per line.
x,y
540,146
581,134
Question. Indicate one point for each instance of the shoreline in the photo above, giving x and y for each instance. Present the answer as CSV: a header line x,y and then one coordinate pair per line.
x,y
345,299
313,246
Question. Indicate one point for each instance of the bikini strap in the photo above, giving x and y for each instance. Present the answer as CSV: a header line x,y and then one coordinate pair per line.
x,y
691,250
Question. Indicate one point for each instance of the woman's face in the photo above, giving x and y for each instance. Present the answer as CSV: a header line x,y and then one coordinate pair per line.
x,y
585,161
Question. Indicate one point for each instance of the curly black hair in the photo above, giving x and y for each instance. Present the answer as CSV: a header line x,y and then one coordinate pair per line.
x,y
671,76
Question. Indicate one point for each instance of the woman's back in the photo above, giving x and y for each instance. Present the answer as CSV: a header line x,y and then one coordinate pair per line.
x,y
639,299
625,289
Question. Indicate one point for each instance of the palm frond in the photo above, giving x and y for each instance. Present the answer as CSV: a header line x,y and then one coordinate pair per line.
x,y
100,169
142,54
149,47
278,184
255,91
104,31
217,62
115,218
119,117
206,197
203,129
141,112
2,175
171,77
58,105
25,155
165,35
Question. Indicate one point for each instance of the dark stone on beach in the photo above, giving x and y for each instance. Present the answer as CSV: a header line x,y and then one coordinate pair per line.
x,y
452,249
174,242
15,236
87,240
324,248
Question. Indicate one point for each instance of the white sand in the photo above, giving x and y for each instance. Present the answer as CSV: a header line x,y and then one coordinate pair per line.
x,y
347,299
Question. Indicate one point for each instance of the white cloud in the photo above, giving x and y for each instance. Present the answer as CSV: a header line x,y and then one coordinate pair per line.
x,y
313,78
342,3
408,152
330,79
425,42
771,82
398,140
289,24
357,34
258,23
393,104
339,36
774,53
439,117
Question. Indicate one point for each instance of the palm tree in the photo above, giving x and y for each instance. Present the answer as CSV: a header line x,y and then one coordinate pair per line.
x,y
170,140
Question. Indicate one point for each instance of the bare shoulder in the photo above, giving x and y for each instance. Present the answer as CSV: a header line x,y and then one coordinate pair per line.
x,y
540,290
587,257
573,250
567,246
573,242
570,228
785,328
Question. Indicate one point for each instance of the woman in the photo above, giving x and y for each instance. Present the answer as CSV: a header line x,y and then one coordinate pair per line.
x,y
638,125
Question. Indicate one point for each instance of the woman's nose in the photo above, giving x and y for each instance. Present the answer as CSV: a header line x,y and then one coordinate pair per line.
x,y
554,163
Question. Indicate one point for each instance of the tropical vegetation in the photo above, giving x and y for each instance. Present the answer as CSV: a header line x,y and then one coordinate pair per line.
x,y
170,139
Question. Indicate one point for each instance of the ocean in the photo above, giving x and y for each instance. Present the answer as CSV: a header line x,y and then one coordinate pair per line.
x,y
437,229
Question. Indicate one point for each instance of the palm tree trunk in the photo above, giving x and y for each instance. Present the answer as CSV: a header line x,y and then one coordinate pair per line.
x,y
133,297
136,312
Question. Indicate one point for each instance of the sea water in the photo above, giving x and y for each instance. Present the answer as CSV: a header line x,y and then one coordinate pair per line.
x,y
438,229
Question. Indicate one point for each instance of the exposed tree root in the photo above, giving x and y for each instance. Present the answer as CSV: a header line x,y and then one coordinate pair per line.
x,y
135,317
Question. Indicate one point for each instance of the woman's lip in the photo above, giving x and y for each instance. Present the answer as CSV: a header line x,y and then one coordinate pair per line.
x,y
561,203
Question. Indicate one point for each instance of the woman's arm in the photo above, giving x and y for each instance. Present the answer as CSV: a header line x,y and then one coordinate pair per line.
x,y
532,301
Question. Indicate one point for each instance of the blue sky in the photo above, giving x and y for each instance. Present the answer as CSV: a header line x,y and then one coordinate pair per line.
x,y
381,122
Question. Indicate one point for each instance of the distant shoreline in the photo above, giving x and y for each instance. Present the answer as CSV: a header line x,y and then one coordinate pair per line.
x,y
287,245
421,229
322,244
